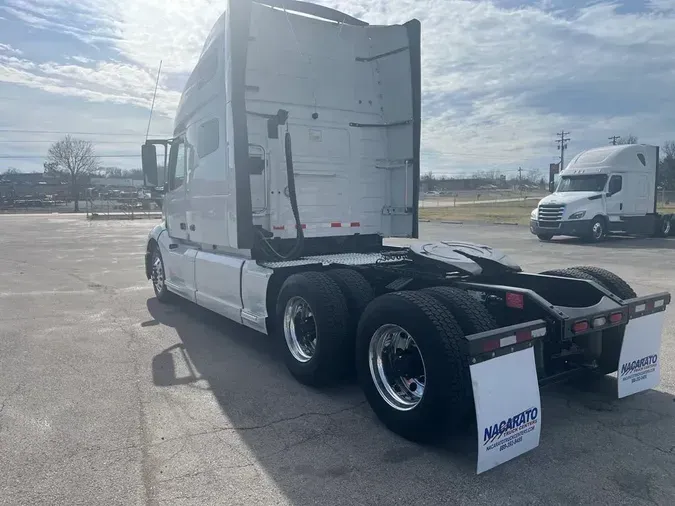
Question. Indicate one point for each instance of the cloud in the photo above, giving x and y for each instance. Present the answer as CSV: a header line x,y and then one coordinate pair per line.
x,y
499,78
8,49
106,81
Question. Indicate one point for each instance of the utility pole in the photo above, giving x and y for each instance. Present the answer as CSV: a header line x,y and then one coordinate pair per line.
x,y
520,175
614,138
562,146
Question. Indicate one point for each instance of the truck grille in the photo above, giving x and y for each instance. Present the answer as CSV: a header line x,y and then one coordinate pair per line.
x,y
550,215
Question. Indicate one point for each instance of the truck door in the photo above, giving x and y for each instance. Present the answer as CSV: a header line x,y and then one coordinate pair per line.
x,y
614,198
175,200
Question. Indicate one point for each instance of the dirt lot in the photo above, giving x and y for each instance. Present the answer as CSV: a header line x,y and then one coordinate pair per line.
x,y
107,397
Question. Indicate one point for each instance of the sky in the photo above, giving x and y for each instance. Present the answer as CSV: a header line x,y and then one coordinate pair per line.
x,y
499,78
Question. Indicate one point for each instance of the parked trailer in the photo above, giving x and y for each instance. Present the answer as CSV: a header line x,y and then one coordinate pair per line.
x,y
295,152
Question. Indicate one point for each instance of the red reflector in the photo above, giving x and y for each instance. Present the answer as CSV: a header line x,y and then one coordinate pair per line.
x,y
515,300
650,305
490,345
303,226
336,224
615,317
580,326
278,227
355,224
523,335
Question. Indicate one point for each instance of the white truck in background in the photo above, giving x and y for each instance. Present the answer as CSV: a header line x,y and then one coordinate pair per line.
x,y
607,190
295,152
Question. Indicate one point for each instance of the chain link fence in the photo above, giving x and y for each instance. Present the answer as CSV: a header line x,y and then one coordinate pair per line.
x,y
526,198
665,200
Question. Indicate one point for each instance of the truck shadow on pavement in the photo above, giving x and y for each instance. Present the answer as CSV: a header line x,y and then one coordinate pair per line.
x,y
326,447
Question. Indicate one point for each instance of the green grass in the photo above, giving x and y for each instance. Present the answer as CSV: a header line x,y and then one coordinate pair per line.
x,y
509,212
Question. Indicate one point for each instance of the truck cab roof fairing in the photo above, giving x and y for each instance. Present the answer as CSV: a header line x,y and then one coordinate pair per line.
x,y
238,30
236,25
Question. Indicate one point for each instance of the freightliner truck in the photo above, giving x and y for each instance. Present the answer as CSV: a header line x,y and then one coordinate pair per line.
x,y
608,190
295,154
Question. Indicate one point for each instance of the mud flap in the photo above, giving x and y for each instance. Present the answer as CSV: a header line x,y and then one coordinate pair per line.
x,y
506,393
639,361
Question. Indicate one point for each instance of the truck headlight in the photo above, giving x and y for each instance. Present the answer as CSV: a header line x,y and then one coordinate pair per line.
x,y
533,214
578,215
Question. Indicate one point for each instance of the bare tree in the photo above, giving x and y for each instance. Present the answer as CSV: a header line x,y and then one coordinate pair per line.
x,y
631,139
11,170
533,176
667,166
73,158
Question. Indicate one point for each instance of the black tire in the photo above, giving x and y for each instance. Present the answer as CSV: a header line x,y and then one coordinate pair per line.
x,y
598,230
570,272
472,316
330,316
158,276
545,237
608,279
356,290
447,399
612,339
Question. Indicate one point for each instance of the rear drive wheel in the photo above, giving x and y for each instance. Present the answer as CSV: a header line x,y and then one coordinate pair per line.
x,y
472,316
357,293
312,316
545,237
411,365
612,339
570,272
356,290
611,281
158,276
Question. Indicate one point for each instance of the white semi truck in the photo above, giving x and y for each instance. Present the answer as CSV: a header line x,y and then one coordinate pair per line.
x,y
296,151
607,190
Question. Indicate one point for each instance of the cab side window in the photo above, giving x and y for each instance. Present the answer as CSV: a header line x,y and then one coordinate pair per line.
x,y
615,184
177,164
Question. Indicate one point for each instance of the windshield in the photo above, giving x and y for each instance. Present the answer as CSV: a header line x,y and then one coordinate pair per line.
x,y
589,183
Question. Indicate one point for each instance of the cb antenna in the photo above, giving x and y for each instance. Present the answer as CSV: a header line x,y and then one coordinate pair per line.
x,y
154,95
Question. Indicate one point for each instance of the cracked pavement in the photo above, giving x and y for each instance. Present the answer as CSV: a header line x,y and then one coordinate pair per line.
x,y
108,397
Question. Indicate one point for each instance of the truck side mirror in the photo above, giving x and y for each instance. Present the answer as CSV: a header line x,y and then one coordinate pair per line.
x,y
149,163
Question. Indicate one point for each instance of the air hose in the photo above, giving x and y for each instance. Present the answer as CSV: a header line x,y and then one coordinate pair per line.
x,y
296,251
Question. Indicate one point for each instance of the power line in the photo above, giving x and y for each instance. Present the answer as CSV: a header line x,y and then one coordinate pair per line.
x,y
36,157
614,138
66,132
26,141
562,146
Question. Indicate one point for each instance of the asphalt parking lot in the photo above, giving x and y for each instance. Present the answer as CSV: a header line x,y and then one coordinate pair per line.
x,y
108,397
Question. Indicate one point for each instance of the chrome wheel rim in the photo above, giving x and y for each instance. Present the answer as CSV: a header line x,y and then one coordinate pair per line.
x,y
397,367
300,329
597,230
157,273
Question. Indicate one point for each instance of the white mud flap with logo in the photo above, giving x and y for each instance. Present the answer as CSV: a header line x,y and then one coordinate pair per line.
x,y
639,362
506,398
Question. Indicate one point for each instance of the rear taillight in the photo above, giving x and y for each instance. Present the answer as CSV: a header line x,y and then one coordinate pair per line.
x,y
580,326
615,317
515,300
491,345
